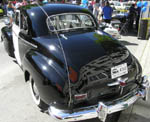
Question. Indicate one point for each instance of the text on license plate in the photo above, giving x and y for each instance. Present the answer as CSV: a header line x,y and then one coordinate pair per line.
x,y
119,70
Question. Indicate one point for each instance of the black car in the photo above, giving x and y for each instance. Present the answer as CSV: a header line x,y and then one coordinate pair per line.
x,y
76,71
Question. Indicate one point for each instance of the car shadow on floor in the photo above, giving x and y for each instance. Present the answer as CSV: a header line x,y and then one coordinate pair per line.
x,y
131,32
111,118
15,61
133,118
128,43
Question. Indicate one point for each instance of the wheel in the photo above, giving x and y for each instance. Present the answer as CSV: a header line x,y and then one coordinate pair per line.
x,y
36,96
1,38
114,117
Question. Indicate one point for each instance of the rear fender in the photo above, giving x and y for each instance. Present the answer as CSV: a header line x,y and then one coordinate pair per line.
x,y
47,74
8,41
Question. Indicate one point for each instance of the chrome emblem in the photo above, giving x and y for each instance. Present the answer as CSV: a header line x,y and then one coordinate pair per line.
x,y
121,82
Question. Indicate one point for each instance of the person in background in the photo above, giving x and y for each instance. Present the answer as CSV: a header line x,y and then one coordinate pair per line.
x,y
18,4
33,2
84,3
92,2
13,2
10,11
4,5
138,9
132,15
24,2
90,6
107,12
100,14
96,7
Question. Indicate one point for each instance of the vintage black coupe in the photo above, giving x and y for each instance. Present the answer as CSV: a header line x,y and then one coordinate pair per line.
x,y
76,71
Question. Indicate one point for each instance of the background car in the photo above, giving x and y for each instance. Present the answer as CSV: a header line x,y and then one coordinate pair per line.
x,y
112,28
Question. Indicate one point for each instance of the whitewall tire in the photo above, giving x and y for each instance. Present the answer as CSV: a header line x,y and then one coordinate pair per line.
x,y
36,96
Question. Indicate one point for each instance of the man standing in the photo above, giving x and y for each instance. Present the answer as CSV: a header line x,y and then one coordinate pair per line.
x,y
107,13
96,7
18,4
131,16
138,17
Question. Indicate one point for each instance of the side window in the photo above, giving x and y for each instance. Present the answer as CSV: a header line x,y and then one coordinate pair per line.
x,y
24,24
17,17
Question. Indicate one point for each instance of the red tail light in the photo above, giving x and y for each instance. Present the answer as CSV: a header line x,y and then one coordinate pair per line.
x,y
58,117
122,84
59,87
80,96
73,75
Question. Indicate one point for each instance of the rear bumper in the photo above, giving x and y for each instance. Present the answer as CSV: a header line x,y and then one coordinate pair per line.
x,y
102,109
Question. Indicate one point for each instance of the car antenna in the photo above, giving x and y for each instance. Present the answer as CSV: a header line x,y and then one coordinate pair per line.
x,y
70,100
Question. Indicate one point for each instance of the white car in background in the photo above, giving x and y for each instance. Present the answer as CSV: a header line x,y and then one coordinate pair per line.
x,y
120,5
108,28
126,5
74,2
115,4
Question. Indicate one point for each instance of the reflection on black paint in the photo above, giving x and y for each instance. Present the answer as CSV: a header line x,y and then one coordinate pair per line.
x,y
102,38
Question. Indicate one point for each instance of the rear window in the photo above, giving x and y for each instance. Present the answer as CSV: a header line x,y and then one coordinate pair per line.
x,y
70,21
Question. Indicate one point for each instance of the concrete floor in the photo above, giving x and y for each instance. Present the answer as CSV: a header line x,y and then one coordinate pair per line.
x,y
140,111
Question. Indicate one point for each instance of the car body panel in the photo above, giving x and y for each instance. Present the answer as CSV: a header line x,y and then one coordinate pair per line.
x,y
44,75
48,64
6,36
15,33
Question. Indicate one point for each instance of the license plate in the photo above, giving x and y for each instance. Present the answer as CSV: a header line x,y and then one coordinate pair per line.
x,y
119,70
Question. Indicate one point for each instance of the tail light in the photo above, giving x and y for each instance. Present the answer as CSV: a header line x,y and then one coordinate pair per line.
x,y
73,75
80,96
59,87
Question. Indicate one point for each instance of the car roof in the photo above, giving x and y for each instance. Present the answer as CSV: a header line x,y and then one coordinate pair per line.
x,y
38,14
53,8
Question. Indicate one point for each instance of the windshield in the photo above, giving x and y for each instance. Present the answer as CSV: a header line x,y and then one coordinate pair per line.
x,y
70,21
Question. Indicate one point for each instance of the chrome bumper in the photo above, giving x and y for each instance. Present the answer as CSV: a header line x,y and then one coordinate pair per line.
x,y
103,109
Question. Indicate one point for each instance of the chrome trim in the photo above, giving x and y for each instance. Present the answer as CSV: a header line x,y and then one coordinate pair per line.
x,y
113,84
31,44
102,109
63,36
145,85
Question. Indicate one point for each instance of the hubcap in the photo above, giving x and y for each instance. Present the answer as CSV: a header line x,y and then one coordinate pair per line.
x,y
35,92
